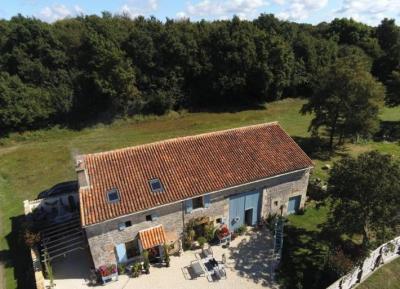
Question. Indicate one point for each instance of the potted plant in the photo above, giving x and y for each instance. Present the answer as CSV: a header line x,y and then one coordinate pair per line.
x,y
166,255
108,272
242,229
146,262
121,268
201,240
136,268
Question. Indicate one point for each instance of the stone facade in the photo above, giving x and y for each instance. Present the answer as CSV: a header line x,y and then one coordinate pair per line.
x,y
105,236
276,192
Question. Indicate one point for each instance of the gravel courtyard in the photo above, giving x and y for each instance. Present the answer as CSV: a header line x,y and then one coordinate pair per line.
x,y
248,266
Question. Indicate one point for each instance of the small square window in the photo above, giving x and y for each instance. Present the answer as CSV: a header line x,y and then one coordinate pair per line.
x,y
276,203
113,196
128,223
156,186
197,203
152,217
218,220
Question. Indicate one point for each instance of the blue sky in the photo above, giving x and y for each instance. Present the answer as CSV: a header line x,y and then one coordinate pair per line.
x,y
309,11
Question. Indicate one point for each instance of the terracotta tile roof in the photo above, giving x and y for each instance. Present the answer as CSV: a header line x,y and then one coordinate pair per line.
x,y
186,166
152,237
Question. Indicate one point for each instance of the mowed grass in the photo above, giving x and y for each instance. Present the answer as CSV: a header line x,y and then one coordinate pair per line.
x,y
387,277
34,161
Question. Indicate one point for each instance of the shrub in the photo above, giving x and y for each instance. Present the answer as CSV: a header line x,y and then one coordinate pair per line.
x,y
31,238
146,262
339,263
121,268
201,240
242,229
136,268
209,232
166,255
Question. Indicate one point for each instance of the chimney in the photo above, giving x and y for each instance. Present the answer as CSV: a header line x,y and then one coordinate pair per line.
x,y
83,178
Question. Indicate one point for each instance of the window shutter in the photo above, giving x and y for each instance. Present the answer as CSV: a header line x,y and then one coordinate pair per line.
x,y
188,206
155,216
121,253
121,226
207,201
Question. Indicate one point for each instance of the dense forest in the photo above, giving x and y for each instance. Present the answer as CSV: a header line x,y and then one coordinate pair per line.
x,y
90,68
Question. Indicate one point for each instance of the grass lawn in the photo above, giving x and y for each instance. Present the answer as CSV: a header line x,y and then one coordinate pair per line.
x,y
34,161
387,277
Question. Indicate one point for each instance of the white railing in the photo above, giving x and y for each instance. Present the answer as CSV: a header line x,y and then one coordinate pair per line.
x,y
377,258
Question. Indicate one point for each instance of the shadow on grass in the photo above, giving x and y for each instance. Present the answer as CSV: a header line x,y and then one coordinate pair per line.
x,y
315,148
18,255
389,131
303,260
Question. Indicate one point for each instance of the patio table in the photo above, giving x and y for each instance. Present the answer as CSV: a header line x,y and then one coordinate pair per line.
x,y
197,268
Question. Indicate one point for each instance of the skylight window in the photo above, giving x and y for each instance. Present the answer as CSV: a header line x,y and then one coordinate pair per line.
x,y
113,196
156,186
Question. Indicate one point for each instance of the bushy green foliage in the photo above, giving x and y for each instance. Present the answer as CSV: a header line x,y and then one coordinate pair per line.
x,y
346,100
94,68
366,193
201,240
22,106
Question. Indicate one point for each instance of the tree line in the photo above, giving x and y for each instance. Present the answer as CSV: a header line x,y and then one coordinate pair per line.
x,y
91,68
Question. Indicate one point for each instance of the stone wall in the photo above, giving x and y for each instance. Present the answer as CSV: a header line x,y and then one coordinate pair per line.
x,y
105,236
277,192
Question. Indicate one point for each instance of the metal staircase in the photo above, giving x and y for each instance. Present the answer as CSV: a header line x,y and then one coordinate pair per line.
x,y
278,238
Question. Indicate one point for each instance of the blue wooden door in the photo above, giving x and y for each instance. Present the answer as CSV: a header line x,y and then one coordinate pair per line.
x,y
121,253
293,204
252,202
236,211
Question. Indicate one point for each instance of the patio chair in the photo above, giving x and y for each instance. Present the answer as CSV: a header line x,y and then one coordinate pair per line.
x,y
208,252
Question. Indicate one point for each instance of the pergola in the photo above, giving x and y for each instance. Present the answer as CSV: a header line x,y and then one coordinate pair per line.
x,y
63,238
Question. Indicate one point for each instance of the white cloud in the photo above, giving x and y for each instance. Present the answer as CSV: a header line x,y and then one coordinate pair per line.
x,y
223,9
181,15
59,11
368,11
134,8
298,10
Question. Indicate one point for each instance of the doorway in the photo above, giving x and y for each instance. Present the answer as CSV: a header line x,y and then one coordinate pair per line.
x,y
248,217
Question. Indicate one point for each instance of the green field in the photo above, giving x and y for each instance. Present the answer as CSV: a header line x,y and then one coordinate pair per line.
x,y
34,161
387,277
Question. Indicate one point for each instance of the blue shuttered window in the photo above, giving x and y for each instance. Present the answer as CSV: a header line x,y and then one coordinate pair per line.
x,y
188,206
121,226
155,216
121,253
207,201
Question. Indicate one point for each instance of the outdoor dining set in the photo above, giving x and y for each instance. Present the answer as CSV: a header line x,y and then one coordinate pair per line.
x,y
207,266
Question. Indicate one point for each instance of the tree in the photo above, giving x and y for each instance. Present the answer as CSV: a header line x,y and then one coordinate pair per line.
x,y
22,106
393,88
108,83
346,101
387,67
366,193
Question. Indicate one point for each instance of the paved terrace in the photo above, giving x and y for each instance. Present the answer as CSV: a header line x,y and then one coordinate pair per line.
x,y
248,266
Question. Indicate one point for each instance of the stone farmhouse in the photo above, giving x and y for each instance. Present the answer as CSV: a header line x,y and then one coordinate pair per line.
x,y
141,197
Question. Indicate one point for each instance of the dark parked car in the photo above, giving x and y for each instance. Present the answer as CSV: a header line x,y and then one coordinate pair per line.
x,y
60,189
